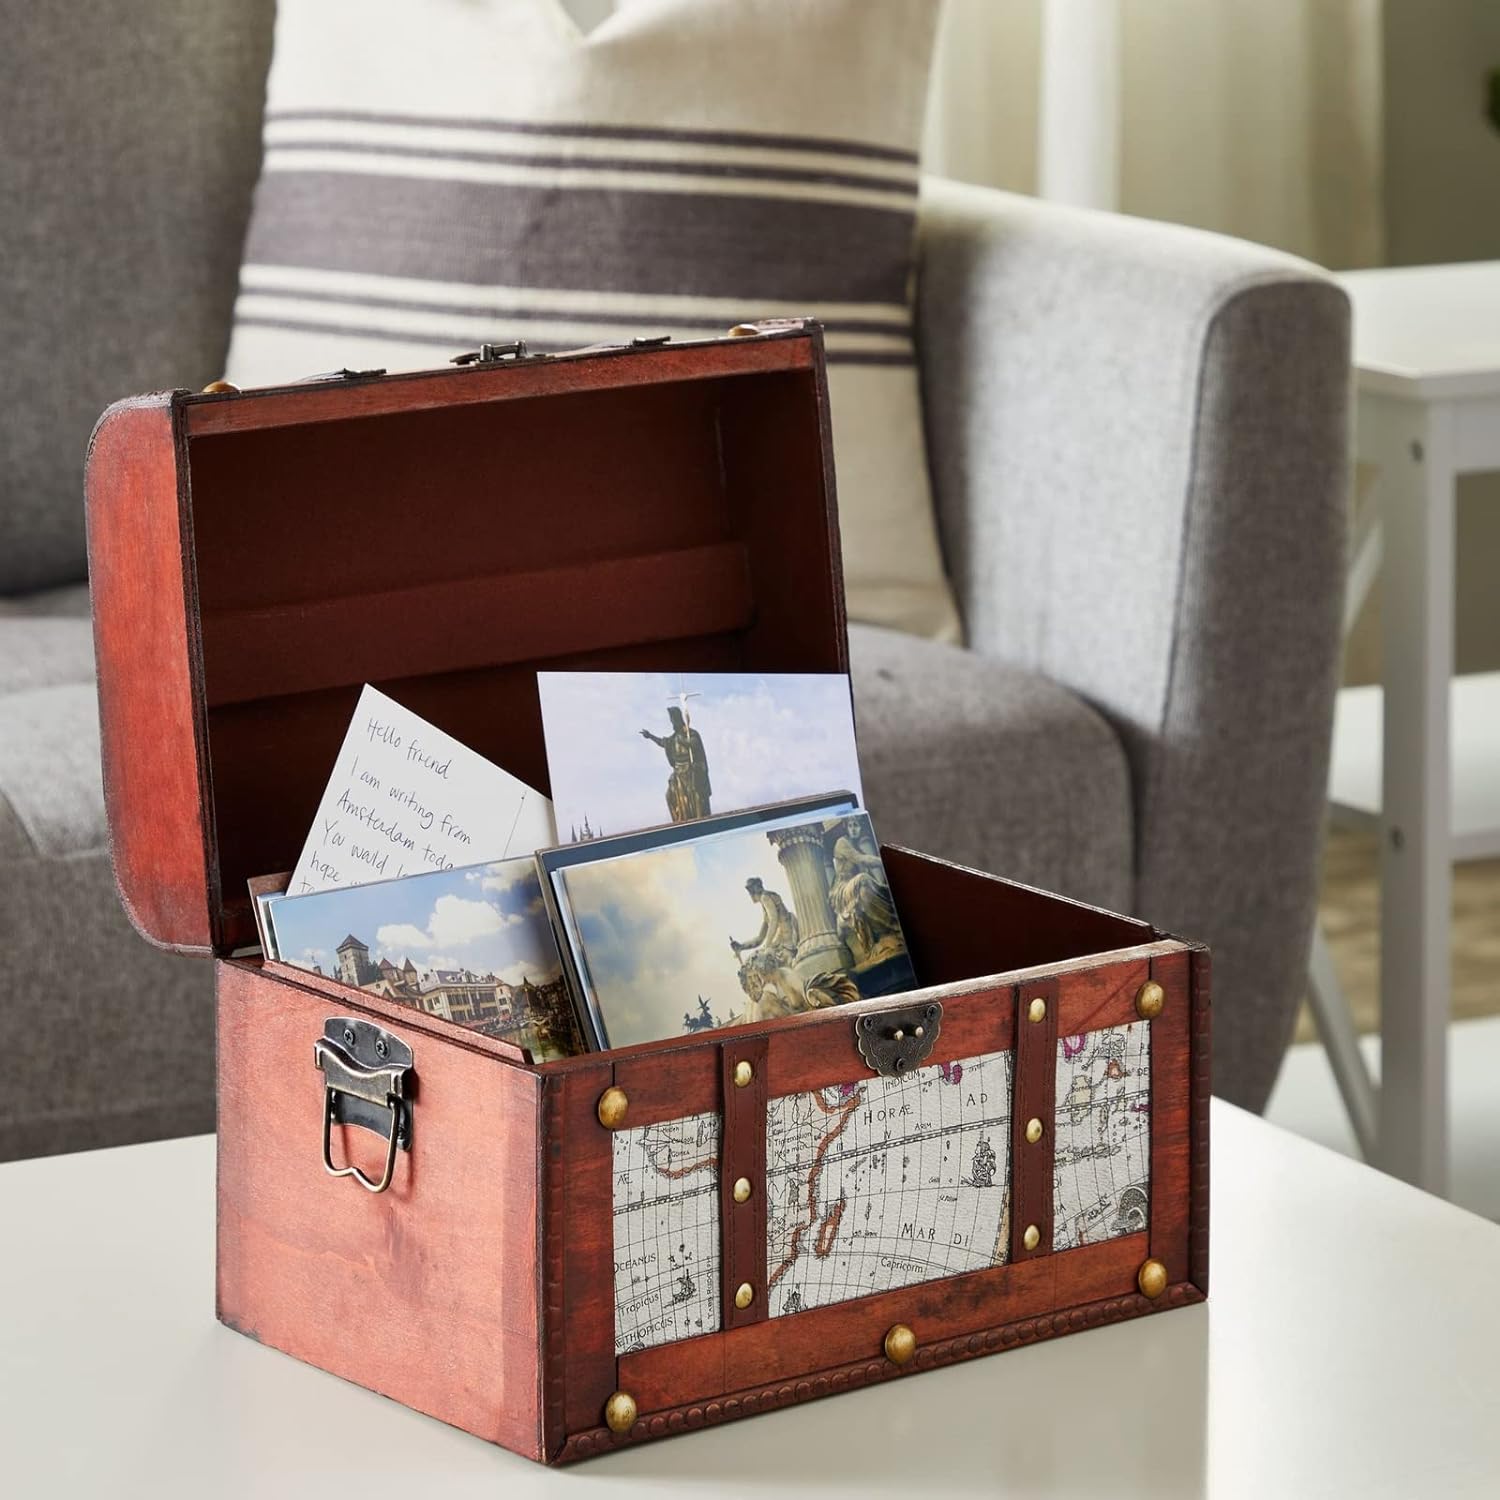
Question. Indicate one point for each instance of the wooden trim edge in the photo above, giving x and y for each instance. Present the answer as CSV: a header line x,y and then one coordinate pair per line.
x,y
848,1377
1200,1090
554,1330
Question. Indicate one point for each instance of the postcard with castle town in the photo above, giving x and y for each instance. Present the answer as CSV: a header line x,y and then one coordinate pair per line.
x,y
631,750
674,934
472,945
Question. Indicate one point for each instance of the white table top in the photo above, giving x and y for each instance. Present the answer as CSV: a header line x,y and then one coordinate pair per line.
x,y
1351,1346
1427,332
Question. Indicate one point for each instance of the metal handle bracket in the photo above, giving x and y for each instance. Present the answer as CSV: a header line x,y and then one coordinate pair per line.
x,y
367,1077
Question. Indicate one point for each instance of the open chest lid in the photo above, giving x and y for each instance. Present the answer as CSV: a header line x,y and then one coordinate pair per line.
x,y
255,557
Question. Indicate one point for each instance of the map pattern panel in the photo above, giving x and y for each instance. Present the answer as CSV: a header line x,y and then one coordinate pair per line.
x,y
884,1183
879,1184
1101,1162
666,1230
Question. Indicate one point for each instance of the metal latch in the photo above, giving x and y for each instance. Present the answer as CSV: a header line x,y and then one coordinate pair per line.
x,y
894,1042
367,1074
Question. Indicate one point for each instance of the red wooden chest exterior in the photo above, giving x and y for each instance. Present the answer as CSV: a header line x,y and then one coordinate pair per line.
x,y
256,557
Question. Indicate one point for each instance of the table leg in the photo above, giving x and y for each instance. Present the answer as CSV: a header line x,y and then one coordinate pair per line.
x,y
1330,1010
1417,493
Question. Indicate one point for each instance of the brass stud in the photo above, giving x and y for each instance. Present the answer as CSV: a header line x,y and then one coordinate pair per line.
x,y
743,1073
919,1032
742,1190
1152,1278
1033,1130
898,1035
619,1412
613,1104
1032,1238
1038,1010
220,388
745,1296
900,1344
1149,1000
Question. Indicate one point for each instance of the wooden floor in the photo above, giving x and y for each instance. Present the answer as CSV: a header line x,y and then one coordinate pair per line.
x,y
1350,913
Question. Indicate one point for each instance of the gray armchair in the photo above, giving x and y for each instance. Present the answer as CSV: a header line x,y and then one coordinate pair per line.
x,y
1137,436
1139,443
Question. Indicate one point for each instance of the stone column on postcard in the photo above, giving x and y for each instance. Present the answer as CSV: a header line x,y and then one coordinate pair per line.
x,y
805,860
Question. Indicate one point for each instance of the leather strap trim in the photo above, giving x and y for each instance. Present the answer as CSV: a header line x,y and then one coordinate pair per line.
x,y
742,1226
1033,1097
1171,1116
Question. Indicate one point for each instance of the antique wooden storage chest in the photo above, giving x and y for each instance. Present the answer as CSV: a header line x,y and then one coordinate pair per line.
x,y
626,1244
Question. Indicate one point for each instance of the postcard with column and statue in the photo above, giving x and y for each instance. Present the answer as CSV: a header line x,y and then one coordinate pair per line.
x,y
630,750
686,929
473,945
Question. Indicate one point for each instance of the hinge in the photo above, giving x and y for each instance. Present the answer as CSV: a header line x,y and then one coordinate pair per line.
x,y
489,354
345,374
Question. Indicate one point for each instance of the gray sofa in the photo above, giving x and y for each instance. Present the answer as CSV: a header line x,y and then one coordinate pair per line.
x,y
1138,443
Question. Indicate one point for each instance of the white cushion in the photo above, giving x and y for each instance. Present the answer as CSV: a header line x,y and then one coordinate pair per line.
x,y
440,174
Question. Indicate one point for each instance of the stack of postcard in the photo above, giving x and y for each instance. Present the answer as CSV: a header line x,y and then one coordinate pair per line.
x,y
435,879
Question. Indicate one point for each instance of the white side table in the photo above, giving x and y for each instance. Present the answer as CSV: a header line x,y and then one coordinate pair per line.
x,y
1427,368
1347,1350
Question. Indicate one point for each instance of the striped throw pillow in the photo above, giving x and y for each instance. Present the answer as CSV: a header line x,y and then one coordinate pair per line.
x,y
444,173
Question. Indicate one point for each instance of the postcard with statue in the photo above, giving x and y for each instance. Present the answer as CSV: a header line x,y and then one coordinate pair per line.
x,y
670,934
629,750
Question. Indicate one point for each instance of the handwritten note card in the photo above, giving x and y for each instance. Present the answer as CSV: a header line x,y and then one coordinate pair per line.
x,y
407,799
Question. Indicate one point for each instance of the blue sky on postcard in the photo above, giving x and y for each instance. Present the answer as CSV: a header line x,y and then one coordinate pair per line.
x,y
767,737
488,918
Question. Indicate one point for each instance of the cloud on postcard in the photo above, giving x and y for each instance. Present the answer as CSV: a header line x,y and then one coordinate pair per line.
x,y
488,919
455,921
656,926
537,973
402,935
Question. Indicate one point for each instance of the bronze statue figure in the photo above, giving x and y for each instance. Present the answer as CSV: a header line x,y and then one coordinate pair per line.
x,y
779,934
688,788
705,1020
768,975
